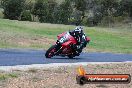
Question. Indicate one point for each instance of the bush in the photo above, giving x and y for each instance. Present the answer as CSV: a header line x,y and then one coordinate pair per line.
x,y
63,12
26,16
44,10
51,12
12,8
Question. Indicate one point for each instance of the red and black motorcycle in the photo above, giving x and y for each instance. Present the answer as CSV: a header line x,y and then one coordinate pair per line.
x,y
63,46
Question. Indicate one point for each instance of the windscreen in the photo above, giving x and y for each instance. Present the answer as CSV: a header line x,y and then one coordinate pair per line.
x,y
64,38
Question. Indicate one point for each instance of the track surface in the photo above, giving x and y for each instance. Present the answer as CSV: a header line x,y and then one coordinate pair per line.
x,y
11,57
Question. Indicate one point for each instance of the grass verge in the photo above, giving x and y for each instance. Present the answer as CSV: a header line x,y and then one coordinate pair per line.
x,y
23,34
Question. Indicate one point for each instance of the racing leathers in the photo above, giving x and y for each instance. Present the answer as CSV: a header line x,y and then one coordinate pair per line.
x,y
81,41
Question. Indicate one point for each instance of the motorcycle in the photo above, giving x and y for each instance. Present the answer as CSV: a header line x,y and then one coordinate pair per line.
x,y
63,46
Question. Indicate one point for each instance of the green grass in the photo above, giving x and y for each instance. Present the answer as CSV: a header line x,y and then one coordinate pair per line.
x,y
116,40
6,76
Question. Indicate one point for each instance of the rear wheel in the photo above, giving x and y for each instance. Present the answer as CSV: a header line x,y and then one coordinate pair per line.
x,y
71,56
50,52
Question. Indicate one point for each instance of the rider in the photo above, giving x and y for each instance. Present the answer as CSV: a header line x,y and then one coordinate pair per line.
x,y
79,35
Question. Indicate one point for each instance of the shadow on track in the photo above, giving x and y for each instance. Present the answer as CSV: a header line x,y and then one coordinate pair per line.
x,y
75,58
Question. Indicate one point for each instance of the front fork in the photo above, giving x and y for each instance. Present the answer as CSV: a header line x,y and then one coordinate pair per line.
x,y
58,48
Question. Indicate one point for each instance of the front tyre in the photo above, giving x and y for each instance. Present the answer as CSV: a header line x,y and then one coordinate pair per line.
x,y
50,52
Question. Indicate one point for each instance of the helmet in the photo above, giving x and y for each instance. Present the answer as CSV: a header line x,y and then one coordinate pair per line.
x,y
79,31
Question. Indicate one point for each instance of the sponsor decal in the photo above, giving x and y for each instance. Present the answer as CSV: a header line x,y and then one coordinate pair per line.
x,y
85,78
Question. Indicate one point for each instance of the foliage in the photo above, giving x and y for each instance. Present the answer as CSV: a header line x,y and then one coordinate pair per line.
x,y
12,8
26,16
80,7
44,10
63,12
126,7
76,12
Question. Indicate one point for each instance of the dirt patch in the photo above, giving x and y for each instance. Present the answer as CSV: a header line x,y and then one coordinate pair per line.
x,y
32,41
65,77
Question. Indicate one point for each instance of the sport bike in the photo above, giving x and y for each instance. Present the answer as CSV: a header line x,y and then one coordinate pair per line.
x,y
64,46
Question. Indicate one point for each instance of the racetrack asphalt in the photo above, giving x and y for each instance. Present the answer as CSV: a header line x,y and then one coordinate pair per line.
x,y
12,57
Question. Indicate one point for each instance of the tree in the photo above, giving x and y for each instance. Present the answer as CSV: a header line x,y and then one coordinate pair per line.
x,y
63,12
26,16
12,8
126,7
108,10
44,10
80,7
109,7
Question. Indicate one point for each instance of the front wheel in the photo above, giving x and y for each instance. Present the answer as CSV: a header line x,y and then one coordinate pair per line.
x,y
50,52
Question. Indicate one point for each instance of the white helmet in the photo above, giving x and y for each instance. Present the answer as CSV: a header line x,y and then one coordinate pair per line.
x,y
79,30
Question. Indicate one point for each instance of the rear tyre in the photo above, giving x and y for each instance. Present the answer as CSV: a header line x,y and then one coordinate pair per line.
x,y
50,52
71,56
